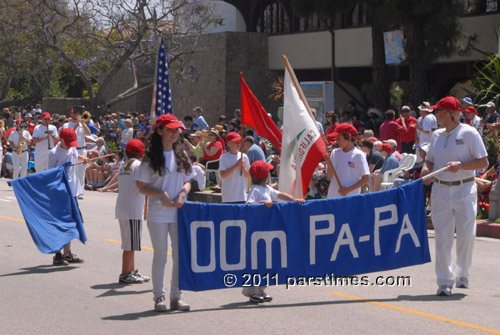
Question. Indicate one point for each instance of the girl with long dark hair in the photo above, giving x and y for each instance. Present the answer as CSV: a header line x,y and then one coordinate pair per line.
x,y
164,177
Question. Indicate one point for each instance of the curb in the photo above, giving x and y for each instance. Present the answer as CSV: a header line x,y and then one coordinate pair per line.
x,y
484,228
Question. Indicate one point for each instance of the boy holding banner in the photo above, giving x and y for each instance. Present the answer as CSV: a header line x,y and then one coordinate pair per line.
x,y
263,193
65,152
349,162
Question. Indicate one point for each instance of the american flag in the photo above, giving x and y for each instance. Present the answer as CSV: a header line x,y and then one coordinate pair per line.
x,y
162,96
351,164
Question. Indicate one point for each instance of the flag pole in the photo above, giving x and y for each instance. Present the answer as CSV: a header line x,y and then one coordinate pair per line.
x,y
306,104
93,159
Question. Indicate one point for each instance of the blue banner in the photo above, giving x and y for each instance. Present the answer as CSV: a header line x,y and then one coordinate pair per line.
x,y
231,245
49,209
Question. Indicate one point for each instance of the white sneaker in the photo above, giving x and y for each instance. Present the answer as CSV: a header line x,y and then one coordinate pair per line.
x,y
160,305
462,282
444,290
179,305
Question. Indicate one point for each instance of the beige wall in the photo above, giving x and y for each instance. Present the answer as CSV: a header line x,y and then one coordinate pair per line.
x,y
353,47
304,51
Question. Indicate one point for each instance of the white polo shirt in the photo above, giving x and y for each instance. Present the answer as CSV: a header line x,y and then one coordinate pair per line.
x,y
350,166
234,186
14,138
461,144
428,123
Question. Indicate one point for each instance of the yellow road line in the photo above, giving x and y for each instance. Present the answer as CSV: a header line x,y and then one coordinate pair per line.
x,y
12,219
108,240
119,242
425,315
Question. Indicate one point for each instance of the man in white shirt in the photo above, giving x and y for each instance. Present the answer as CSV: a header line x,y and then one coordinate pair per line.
x,y
81,129
20,161
45,138
426,124
460,149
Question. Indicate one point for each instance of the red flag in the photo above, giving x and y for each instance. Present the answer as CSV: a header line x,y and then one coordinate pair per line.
x,y
254,115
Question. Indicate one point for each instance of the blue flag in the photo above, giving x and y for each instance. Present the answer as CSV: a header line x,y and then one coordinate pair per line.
x,y
162,94
49,209
236,245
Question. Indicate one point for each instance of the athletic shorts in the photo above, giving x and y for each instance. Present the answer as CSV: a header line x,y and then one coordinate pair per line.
x,y
131,231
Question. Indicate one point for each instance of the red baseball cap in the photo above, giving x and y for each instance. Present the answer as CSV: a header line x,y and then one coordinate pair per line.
x,y
259,170
169,121
471,109
386,147
68,135
233,137
45,115
135,147
18,121
448,103
342,128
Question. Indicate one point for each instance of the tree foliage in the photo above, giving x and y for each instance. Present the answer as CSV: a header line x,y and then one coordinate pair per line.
x,y
97,38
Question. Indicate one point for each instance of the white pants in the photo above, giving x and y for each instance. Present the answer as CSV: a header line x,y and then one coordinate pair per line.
x,y
159,232
20,164
453,208
81,171
41,161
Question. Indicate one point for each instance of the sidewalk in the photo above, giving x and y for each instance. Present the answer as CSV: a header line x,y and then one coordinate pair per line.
x,y
485,228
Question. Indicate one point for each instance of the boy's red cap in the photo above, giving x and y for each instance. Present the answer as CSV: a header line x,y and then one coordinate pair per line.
x,y
45,115
169,121
448,103
342,128
68,135
386,147
471,109
18,121
135,147
233,137
259,170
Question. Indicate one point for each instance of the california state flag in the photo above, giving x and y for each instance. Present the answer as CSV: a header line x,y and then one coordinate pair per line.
x,y
302,146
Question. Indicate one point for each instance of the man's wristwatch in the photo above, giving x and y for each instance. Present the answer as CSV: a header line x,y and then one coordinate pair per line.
x,y
459,164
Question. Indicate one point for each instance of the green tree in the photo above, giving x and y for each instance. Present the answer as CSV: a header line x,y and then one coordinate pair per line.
x,y
432,30
97,38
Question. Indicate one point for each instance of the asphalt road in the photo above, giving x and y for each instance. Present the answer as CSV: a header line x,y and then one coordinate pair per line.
x,y
38,298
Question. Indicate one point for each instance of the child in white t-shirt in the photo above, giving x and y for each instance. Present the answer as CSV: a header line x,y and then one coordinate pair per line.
x,y
348,162
65,152
263,193
129,211
233,168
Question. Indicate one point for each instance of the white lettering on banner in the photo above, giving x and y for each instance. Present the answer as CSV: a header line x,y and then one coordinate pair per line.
x,y
348,240
393,219
313,232
407,228
243,230
195,225
268,237
344,238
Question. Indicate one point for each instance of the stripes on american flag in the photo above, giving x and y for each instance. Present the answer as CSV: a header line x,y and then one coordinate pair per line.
x,y
162,92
